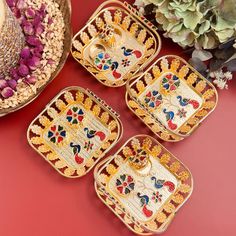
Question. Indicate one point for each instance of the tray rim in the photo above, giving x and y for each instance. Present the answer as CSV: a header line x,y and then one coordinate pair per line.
x,y
139,18
134,80
104,163
115,116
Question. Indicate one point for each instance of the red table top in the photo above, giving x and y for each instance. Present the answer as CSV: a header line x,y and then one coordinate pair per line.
x,y
36,200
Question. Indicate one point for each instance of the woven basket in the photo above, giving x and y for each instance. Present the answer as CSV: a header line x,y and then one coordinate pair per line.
x,y
65,7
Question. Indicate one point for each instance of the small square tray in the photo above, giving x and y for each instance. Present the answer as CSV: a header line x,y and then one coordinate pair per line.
x,y
116,43
171,98
75,131
143,184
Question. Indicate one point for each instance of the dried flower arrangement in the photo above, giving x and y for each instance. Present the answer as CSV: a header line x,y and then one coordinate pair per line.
x,y
206,28
43,27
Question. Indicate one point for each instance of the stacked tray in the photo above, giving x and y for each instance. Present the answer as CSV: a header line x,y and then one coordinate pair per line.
x,y
171,98
143,184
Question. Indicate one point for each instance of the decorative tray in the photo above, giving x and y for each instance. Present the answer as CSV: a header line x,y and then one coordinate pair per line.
x,y
116,43
75,130
143,184
171,98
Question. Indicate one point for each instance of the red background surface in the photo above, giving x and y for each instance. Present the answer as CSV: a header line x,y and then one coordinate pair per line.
x,y
36,201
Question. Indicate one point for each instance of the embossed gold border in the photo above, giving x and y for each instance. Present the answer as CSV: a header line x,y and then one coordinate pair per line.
x,y
185,72
108,167
90,102
152,42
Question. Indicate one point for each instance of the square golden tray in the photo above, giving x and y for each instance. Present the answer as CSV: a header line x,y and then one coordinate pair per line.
x,y
171,98
75,131
143,184
116,43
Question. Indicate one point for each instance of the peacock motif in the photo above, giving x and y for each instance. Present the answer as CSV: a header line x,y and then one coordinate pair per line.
x,y
130,52
144,199
114,68
159,183
169,117
186,101
76,148
93,133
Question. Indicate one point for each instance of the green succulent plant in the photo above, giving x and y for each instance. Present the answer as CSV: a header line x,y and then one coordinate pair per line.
x,y
203,24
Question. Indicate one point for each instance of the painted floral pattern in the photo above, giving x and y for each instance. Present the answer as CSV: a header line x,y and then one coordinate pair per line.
x,y
139,158
156,197
75,115
88,146
170,82
56,134
153,99
181,113
125,184
125,62
103,61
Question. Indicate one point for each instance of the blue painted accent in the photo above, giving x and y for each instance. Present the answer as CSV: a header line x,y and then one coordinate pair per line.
x,y
106,67
50,134
63,133
100,55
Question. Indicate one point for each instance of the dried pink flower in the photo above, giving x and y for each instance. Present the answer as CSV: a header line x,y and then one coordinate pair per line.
x,y
31,80
12,83
37,20
20,4
30,13
3,83
33,63
28,29
51,62
14,73
42,9
11,3
23,70
50,20
25,53
33,41
39,29
7,92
